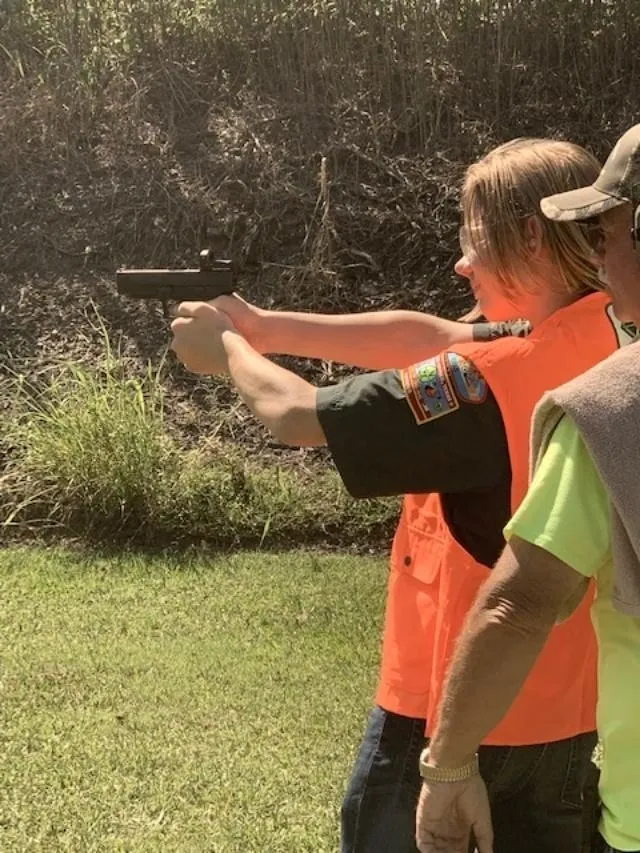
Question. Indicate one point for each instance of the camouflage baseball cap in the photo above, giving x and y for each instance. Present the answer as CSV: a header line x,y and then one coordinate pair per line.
x,y
617,183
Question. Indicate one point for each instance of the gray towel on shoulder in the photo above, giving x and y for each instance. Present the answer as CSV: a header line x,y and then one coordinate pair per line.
x,y
604,403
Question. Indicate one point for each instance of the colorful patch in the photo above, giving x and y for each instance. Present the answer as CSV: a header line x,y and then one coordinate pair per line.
x,y
428,390
469,384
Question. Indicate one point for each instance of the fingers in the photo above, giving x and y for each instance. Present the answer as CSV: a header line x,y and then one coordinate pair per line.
x,y
447,813
180,323
193,309
443,844
230,300
483,833
213,316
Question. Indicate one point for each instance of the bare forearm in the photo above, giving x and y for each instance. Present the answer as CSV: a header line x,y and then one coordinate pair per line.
x,y
284,402
492,661
376,340
502,637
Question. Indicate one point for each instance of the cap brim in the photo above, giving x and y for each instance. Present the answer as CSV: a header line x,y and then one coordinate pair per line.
x,y
584,203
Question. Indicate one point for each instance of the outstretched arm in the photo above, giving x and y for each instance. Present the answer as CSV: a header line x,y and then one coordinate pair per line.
x,y
422,434
206,342
376,340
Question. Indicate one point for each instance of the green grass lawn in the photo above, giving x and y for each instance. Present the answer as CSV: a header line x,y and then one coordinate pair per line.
x,y
185,705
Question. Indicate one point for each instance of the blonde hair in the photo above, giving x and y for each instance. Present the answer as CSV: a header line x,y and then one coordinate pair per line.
x,y
503,190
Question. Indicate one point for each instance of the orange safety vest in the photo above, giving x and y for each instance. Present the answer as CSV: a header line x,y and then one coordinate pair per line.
x,y
433,581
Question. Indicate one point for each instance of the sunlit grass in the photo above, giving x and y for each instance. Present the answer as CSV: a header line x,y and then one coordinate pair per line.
x,y
150,705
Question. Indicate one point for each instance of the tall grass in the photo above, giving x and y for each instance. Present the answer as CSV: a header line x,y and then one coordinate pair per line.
x,y
89,454
418,70
91,445
134,130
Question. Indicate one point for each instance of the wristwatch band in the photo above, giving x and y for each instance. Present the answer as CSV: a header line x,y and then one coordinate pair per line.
x,y
433,773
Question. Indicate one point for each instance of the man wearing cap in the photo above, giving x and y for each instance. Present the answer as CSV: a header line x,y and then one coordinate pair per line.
x,y
579,521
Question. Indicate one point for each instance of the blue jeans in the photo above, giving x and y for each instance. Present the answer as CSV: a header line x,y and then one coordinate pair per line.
x,y
535,791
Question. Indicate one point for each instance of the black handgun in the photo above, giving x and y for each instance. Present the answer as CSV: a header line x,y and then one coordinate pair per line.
x,y
214,278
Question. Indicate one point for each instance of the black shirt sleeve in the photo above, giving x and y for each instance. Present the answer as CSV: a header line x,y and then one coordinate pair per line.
x,y
433,427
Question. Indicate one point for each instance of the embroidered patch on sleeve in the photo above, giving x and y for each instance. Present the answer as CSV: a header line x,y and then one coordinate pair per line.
x,y
468,382
428,389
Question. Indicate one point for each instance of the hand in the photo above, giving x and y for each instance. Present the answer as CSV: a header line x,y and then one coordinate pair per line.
x,y
247,318
198,337
448,812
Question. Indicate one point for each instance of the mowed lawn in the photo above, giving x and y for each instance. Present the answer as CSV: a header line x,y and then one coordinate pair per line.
x,y
188,704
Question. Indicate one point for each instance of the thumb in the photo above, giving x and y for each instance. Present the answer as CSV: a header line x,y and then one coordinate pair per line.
x,y
230,300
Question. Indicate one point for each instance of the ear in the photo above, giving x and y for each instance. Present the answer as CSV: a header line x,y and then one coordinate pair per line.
x,y
533,234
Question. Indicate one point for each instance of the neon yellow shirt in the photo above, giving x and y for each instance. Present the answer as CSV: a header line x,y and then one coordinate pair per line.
x,y
566,512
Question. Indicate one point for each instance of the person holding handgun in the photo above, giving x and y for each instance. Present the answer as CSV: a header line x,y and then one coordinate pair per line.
x,y
450,432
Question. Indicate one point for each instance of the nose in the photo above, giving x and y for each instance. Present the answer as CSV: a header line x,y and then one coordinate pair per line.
x,y
463,267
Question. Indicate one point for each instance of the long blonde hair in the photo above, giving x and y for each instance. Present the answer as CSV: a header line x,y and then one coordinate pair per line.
x,y
503,190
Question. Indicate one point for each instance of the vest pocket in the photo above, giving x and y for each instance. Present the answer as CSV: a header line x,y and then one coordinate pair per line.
x,y
420,539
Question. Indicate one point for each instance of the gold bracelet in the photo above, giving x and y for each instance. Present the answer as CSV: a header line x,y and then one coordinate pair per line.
x,y
433,773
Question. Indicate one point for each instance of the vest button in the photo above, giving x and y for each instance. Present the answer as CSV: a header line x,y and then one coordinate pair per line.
x,y
407,560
